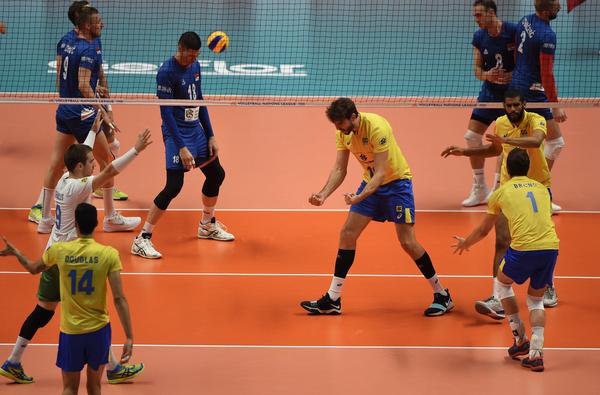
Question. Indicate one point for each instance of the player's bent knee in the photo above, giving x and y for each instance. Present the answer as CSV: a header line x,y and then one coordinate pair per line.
x,y
553,148
535,302
504,290
473,139
214,179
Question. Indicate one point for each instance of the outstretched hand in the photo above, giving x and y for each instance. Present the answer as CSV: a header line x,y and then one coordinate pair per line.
x,y
143,141
460,245
453,150
9,248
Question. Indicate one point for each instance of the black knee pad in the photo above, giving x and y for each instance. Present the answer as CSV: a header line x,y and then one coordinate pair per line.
x,y
171,190
215,174
38,318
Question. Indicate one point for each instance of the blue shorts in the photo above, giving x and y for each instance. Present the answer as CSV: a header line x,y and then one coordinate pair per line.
x,y
392,202
74,351
75,126
195,141
488,115
536,265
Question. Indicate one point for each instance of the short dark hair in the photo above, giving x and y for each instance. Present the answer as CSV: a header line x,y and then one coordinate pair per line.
x,y
86,218
517,162
514,93
190,40
487,5
74,10
543,5
84,15
341,108
76,153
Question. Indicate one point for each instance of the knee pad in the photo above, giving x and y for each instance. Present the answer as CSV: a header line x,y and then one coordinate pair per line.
x,y
215,174
473,139
504,290
171,189
552,148
535,302
38,318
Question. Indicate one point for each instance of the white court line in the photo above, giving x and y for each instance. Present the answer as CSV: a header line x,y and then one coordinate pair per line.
x,y
209,274
252,346
308,210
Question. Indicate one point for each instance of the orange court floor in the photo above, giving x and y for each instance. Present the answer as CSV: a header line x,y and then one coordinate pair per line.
x,y
224,318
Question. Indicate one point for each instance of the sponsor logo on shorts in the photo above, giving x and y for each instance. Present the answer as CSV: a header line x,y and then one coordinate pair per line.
x,y
399,211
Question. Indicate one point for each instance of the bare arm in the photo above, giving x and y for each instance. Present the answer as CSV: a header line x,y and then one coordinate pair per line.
x,y
495,75
336,177
485,151
375,181
31,266
114,279
476,235
521,142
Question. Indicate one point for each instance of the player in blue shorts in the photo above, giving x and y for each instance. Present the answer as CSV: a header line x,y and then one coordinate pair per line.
x,y
85,333
385,194
79,74
189,143
531,256
534,76
493,61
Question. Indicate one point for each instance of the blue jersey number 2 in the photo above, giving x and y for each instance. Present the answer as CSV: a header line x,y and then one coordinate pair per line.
x,y
84,284
533,202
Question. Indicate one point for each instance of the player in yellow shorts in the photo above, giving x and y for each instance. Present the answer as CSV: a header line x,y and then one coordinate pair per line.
x,y
385,194
85,333
531,256
518,128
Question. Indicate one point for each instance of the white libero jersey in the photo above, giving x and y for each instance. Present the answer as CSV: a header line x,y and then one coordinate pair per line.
x,y
68,194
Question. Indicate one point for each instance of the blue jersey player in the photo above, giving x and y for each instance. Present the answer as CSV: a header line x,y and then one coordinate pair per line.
x,y
189,143
533,74
80,71
493,55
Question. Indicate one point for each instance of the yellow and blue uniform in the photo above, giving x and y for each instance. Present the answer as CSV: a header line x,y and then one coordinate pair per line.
x,y
538,168
84,267
393,200
534,244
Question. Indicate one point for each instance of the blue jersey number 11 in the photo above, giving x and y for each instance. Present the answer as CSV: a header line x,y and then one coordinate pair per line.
x,y
533,202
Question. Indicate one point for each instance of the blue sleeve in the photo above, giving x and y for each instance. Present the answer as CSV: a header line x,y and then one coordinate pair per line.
x,y
58,48
89,58
476,40
164,90
548,44
203,115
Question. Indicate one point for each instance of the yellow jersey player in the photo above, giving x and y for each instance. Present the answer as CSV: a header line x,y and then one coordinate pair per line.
x,y
85,332
385,194
532,253
518,128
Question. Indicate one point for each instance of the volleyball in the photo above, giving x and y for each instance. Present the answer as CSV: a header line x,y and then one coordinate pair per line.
x,y
218,41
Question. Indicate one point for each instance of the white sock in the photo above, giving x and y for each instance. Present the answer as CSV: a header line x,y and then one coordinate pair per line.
x,y
496,183
47,202
147,228
335,289
207,214
517,327
112,360
495,289
40,199
478,177
18,350
109,205
537,341
436,285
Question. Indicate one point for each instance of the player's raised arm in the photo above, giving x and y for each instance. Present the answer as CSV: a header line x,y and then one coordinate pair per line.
x,y
336,177
119,164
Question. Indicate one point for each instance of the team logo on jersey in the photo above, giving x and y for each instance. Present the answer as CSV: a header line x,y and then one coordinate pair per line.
x,y
176,159
83,180
485,51
365,140
382,141
362,157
